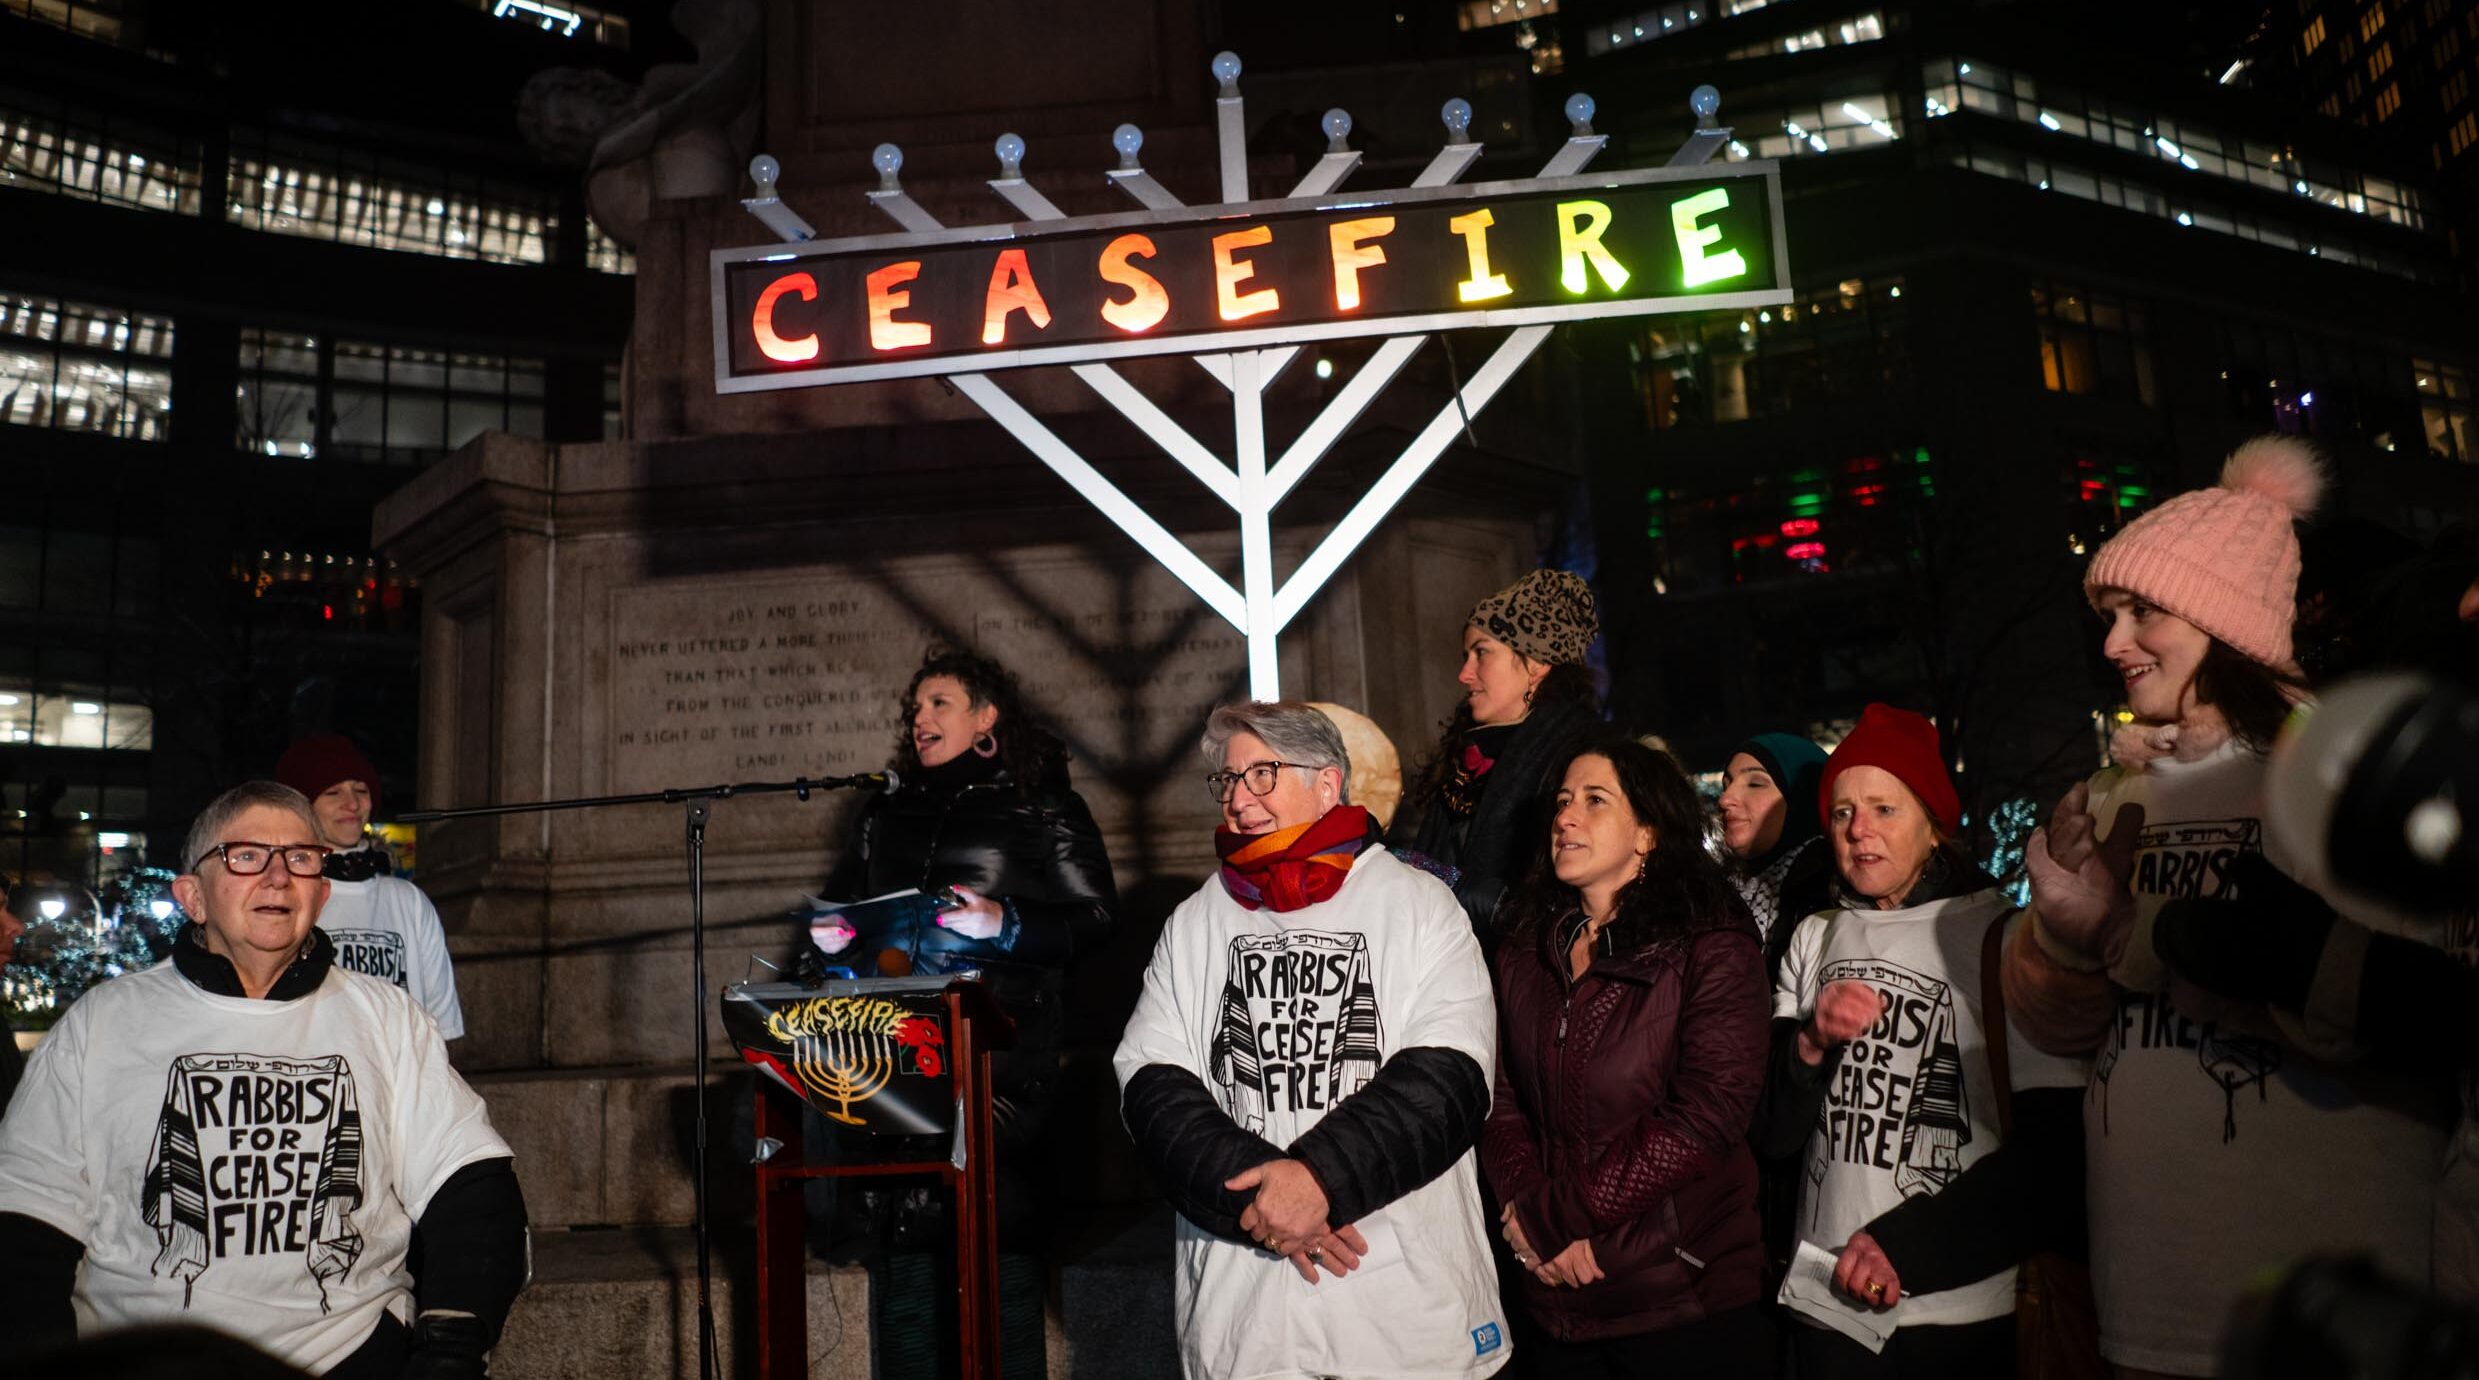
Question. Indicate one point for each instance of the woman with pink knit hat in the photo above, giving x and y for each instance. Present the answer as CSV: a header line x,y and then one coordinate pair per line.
x,y
2220,1140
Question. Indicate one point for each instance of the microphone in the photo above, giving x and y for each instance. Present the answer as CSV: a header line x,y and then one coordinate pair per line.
x,y
886,780
2372,794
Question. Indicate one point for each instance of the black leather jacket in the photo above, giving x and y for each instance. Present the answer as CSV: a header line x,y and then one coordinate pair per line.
x,y
1038,851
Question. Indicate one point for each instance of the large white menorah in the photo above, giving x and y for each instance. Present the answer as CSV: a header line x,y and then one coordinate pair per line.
x,y
1255,479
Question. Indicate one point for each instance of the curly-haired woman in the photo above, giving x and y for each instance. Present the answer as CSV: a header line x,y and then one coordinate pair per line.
x,y
983,808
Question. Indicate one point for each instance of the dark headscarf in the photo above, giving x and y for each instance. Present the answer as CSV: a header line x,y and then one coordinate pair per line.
x,y
1796,765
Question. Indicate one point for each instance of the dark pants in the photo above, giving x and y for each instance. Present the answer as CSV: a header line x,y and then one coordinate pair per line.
x,y
381,1356
913,1315
1726,1346
1966,1351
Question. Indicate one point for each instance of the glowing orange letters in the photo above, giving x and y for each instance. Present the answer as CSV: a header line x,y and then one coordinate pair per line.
x,y
1011,289
885,332
1147,306
1351,255
1229,274
762,320
1104,286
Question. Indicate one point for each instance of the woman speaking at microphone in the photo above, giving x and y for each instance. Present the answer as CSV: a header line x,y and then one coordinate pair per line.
x,y
981,808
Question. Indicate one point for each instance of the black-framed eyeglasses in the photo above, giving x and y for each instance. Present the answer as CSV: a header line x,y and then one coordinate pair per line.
x,y
243,858
1260,777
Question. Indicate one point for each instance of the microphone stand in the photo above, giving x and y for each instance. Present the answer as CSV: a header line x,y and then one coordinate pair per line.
x,y
699,803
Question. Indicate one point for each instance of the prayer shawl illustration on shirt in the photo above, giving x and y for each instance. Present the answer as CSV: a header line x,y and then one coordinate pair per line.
x,y
1297,1027
256,1155
1900,1098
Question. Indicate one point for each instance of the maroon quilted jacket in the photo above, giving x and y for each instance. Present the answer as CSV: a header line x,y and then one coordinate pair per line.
x,y
1621,1116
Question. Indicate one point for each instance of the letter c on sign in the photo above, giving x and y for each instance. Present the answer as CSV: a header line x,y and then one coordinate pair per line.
x,y
762,321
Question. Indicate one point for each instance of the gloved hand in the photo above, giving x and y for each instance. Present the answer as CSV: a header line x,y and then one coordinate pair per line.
x,y
449,1346
2259,940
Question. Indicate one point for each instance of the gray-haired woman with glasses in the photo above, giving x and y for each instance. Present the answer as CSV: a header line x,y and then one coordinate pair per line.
x,y
1306,1072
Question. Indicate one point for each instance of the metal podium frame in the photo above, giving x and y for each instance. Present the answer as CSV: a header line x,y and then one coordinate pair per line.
x,y
976,1028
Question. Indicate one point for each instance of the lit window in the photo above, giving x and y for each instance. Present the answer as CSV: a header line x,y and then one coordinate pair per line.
x,y
604,254
276,402
76,720
294,187
407,405
99,20
2313,38
563,18
2444,409
2372,22
2093,343
1483,14
2387,101
2060,109
46,146
2379,60
2465,130
74,367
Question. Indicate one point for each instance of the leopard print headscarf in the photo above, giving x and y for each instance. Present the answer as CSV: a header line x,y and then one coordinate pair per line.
x,y
1547,615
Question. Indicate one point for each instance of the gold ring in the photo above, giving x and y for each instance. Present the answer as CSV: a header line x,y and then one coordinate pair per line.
x,y
1274,1245
1877,1292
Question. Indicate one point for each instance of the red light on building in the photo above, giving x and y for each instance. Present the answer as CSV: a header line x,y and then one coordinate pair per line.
x,y
1799,527
1806,551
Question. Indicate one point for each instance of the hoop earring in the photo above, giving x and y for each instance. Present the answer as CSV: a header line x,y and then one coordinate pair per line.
x,y
985,745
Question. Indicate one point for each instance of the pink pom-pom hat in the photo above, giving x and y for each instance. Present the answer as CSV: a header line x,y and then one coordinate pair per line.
x,y
2226,558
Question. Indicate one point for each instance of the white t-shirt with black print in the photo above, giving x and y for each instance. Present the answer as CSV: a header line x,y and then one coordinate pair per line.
x,y
1910,1106
250,1166
2217,1149
387,929
1282,1015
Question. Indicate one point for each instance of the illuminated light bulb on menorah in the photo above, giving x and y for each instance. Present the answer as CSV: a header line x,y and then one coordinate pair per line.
x,y
844,1067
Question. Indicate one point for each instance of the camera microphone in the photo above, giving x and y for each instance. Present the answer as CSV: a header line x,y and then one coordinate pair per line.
x,y
2372,793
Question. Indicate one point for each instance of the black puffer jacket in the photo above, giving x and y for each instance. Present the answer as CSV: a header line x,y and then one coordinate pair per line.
x,y
1493,847
1037,852
967,823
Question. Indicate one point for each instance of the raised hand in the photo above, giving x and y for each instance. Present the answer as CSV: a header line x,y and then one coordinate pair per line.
x,y
2081,889
1843,1011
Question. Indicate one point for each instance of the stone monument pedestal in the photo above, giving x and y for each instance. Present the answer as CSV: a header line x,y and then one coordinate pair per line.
x,y
624,617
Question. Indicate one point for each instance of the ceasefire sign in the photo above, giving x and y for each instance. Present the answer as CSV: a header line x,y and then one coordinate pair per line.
x,y
1248,275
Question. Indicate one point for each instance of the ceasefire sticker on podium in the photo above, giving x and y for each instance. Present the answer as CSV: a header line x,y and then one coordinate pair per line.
x,y
871,1055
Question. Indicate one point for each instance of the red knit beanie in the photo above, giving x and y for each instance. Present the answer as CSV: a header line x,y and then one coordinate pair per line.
x,y
1905,744
316,763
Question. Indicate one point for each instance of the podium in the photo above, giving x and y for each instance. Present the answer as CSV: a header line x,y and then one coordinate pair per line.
x,y
890,1056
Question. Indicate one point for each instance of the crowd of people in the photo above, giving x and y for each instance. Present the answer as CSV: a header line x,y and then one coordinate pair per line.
x,y
1818,1097
1564,1069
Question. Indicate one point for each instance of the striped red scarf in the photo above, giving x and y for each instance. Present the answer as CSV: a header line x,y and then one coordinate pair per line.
x,y
1293,867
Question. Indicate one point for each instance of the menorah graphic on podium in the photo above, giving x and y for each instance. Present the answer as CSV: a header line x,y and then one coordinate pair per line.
x,y
845,1066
